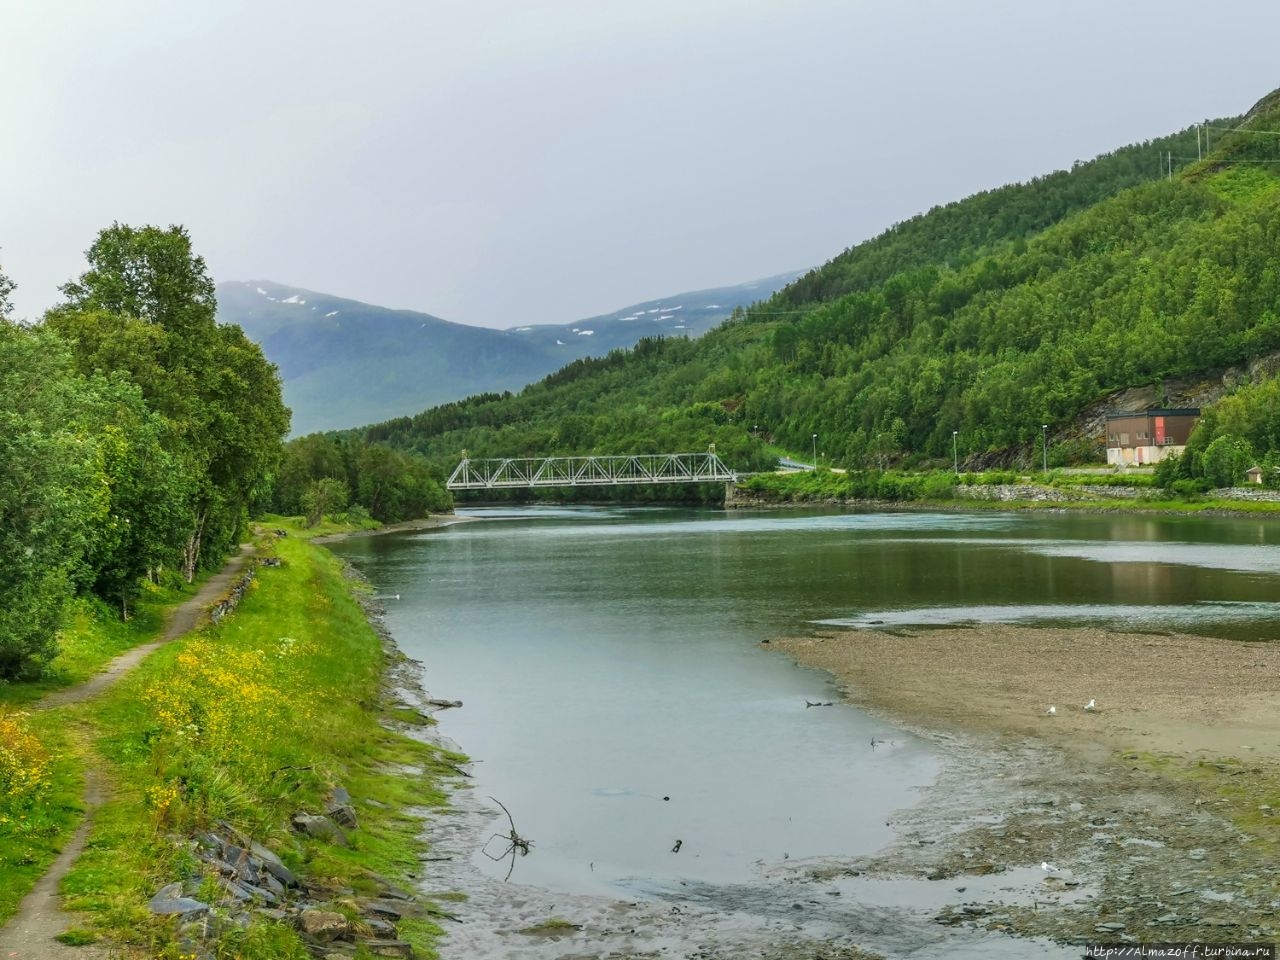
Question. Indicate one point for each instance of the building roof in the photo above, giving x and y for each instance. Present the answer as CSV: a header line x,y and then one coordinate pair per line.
x,y
1157,412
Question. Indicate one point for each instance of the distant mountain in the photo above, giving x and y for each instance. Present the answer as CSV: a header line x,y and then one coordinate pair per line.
x,y
345,363
686,314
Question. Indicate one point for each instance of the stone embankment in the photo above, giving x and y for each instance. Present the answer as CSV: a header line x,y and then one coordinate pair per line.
x,y
240,880
1010,493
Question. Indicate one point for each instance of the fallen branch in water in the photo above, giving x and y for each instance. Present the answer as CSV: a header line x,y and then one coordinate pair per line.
x,y
515,842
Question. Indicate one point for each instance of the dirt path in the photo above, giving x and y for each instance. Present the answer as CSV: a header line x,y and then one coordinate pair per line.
x,y
30,934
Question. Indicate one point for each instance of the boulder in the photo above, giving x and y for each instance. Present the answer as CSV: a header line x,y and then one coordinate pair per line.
x,y
169,901
320,828
323,925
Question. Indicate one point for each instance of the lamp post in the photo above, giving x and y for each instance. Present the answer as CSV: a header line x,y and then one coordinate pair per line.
x,y
815,451
955,450
1044,442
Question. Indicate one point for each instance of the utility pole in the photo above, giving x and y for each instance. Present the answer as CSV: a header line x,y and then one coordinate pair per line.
x,y
955,450
1169,161
1198,154
1044,434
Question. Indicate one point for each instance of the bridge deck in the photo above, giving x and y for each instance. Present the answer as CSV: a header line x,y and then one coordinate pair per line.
x,y
590,471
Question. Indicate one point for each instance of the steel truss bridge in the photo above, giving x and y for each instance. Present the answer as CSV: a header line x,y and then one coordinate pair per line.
x,y
591,471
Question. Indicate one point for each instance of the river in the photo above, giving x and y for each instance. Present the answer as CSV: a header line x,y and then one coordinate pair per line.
x,y
618,701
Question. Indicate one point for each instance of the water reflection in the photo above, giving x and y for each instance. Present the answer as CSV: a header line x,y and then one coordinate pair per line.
x,y
608,658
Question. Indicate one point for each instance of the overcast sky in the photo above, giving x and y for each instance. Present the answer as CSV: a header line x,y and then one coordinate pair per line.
x,y
501,163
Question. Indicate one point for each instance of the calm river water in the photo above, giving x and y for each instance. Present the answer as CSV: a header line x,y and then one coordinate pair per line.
x,y
609,659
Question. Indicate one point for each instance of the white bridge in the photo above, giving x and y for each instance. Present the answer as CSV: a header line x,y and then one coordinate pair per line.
x,y
591,471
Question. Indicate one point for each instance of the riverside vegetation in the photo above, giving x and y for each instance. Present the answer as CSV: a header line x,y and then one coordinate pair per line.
x,y
237,728
136,436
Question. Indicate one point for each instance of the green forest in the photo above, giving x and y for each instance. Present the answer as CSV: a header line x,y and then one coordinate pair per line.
x,y
974,324
137,436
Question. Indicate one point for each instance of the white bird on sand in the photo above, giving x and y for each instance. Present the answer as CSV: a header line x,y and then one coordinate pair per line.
x,y
1051,712
1091,706
1056,873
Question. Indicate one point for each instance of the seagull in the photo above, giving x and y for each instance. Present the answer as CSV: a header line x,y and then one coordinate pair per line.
x,y
1055,873
1051,712
1091,706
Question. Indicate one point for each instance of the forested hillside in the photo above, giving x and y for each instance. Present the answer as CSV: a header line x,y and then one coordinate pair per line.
x,y
978,321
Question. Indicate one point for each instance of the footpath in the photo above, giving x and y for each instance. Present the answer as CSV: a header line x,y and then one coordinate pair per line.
x,y
30,934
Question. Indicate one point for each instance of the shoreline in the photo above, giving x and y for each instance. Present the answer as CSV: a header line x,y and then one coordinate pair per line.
x,y
405,526
747,500
1158,802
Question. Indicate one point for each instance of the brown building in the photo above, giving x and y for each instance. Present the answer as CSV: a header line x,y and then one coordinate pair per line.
x,y
1150,436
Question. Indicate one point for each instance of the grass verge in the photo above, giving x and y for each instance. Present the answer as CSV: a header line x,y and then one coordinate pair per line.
x,y
250,722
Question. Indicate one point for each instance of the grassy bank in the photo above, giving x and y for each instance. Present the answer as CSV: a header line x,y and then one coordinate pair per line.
x,y
944,488
242,724
42,754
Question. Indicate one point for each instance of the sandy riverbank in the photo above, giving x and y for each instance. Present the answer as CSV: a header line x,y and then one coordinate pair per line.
x,y
1160,803
1177,694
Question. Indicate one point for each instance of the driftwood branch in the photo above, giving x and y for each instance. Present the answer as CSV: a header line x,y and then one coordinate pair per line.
x,y
516,844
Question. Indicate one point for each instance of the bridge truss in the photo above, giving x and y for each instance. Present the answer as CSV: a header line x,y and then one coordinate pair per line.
x,y
591,471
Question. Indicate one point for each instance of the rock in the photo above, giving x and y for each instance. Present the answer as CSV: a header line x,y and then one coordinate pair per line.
x,y
380,908
382,929
1197,854
1114,927
169,901
237,891
320,828
389,948
395,893
1166,918
323,925
344,815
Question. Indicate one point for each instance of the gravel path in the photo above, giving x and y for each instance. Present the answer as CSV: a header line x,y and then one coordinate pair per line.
x,y
30,934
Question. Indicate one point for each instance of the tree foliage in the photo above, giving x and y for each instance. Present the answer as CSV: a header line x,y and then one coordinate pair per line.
x,y
322,475
51,495
134,432
146,306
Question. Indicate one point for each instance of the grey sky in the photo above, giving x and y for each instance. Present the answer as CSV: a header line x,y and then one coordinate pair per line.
x,y
500,163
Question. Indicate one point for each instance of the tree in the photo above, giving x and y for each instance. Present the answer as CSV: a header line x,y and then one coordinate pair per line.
x,y
147,516
1225,461
147,273
146,305
7,287
326,495
51,496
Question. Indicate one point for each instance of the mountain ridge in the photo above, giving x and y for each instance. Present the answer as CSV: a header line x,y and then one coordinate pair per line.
x,y
345,362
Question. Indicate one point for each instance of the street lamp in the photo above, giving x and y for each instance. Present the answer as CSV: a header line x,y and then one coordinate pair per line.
x,y
1044,438
815,451
955,450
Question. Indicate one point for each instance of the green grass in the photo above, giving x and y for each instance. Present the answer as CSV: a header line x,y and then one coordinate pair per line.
x,y
33,833
252,721
93,635
297,527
